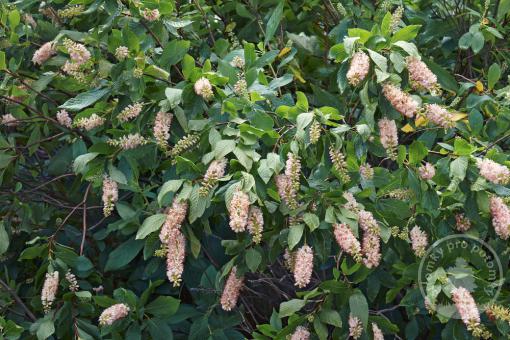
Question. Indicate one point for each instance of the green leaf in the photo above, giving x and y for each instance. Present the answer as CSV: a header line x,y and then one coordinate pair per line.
x,y
123,254
167,187
331,317
14,19
4,238
477,42
493,75
311,220
173,52
410,48
150,225
359,307
288,308
274,21
417,152
163,306
458,168
46,329
223,148
194,242
3,65
81,161
379,60
198,205
295,234
462,147
84,99
174,96
405,34
253,259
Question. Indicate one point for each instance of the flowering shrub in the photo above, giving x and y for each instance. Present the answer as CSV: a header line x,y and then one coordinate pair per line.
x,y
254,169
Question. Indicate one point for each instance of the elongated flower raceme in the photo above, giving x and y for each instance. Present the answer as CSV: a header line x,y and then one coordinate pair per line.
x,y
389,136
291,184
89,123
215,171
255,224
150,14
9,120
339,163
493,172
351,203
121,53
401,101
64,119
113,313
130,112
420,75
371,249
184,144
301,333
285,190
466,306
128,142
367,222
355,327
78,52
358,70
439,116
315,132
419,241
462,223
500,217
378,334
49,290
231,290
71,280
237,62
366,171
426,171
175,255
303,266
161,129
110,195
347,241
45,52
238,209
175,216
203,88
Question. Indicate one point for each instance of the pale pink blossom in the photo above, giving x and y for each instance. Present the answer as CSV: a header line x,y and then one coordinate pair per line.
x,y
203,88
493,172
113,313
358,70
90,123
378,334
439,116
130,112
49,290
427,171
150,14
347,241
215,171
419,241
371,249
121,53
420,75
231,290
78,52
303,266
238,62
129,142
462,223
389,136
175,216
355,327
466,306
73,283
9,120
255,224
366,171
43,53
351,204
238,209
161,128
110,195
500,217
64,119
285,190
401,101
175,255
301,333
292,172
367,222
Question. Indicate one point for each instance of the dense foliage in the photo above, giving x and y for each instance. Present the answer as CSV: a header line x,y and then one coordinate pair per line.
x,y
252,169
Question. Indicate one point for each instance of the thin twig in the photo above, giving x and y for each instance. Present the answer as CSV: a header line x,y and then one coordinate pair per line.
x,y
18,300
84,226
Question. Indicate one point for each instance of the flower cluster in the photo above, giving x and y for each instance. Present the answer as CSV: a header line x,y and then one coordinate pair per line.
x,y
113,313
49,290
315,132
303,266
301,333
493,172
288,184
396,17
419,241
462,223
371,249
9,120
366,171
203,88
500,217
347,241
161,129
121,53
339,164
130,112
43,53
401,101
351,203
239,209
71,11
175,216
131,141
89,123
389,136
64,119
73,283
215,171
231,290
378,334
355,327
110,195
150,14
367,222
427,171
78,52
255,224
466,306
185,143
287,194
420,75
439,116
241,87
358,70
237,62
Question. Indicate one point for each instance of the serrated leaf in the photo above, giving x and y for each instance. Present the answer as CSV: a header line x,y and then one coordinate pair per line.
x,y
311,220
274,21
253,259
4,238
295,234
288,308
84,99
359,307
150,225
174,96
167,187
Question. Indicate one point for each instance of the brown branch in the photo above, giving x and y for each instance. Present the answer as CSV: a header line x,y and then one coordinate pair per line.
x,y
31,88
84,226
18,300
205,20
